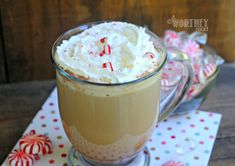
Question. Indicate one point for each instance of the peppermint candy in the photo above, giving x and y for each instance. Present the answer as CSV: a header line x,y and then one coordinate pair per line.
x,y
172,39
35,144
203,60
20,158
173,163
171,73
32,143
209,69
47,146
192,48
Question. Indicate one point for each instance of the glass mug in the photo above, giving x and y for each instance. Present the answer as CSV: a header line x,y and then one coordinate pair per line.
x,y
109,124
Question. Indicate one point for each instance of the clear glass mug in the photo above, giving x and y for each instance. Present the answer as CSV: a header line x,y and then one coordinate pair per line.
x,y
109,124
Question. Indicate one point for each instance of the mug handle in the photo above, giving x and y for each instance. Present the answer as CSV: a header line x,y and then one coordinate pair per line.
x,y
172,101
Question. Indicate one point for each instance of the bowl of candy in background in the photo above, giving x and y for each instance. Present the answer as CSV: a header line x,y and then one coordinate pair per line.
x,y
204,60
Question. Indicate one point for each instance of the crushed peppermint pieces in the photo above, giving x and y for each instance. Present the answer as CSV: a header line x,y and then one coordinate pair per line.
x,y
104,65
150,55
102,40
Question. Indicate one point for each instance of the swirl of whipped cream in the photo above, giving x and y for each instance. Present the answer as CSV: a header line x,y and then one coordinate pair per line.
x,y
112,52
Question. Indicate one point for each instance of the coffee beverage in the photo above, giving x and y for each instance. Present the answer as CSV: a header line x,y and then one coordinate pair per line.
x,y
110,110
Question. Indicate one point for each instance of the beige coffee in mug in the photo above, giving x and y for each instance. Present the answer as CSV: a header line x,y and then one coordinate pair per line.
x,y
109,80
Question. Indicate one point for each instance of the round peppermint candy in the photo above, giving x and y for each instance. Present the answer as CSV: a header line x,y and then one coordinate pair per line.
x,y
20,158
173,163
35,144
47,148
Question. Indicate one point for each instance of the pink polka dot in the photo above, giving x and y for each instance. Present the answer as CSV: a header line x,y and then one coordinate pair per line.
x,y
57,128
64,155
169,128
183,131
206,128
51,103
191,148
201,142
210,114
196,158
172,137
55,120
51,161
61,145
192,125
202,120
42,117
163,142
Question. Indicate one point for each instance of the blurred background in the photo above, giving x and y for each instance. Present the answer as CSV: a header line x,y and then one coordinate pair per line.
x,y
29,27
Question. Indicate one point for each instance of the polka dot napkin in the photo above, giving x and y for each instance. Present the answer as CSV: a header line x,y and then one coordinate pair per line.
x,y
187,138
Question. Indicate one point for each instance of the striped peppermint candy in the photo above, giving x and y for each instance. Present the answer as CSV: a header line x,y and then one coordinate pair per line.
x,y
192,48
20,158
35,144
209,69
47,145
206,72
172,39
171,73
173,163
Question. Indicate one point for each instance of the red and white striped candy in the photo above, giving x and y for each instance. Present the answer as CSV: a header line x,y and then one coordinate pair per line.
x,y
35,144
209,69
47,145
171,74
172,39
173,163
20,158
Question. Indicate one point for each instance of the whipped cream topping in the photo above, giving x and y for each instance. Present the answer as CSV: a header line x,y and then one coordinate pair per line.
x,y
113,52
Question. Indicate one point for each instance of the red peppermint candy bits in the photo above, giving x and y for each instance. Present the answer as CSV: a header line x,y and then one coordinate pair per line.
x,y
102,40
102,53
149,54
104,65
20,158
106,47
106,50
35,144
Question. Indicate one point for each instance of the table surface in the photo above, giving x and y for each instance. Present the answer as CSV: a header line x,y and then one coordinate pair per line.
x,y
20,102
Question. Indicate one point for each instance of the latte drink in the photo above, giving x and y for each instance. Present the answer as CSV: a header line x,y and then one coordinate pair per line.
x,y
109,90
